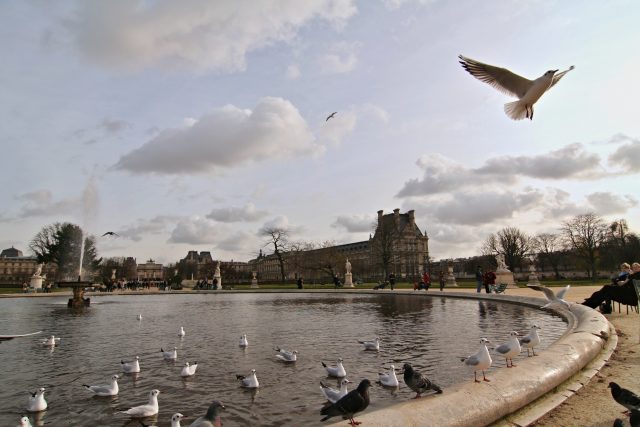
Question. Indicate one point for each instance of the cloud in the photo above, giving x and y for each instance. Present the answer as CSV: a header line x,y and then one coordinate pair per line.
x,y
246,213
196,231
145,227
293,72
355,223
337,128
199,34
558,204
41,203
340,59
627,156
279,222
238,241
113,126
225,138
605,203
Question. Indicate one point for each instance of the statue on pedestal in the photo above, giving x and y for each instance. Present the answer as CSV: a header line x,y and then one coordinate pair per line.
x,y
37,278
254,279
348,277
502,266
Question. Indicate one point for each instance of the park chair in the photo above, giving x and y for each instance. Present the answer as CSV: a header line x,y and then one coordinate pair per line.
x,y
499,288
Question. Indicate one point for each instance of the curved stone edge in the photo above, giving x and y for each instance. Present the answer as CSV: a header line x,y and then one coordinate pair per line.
x,y
480,404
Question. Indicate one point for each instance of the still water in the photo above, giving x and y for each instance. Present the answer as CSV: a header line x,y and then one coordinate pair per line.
x,y
430,333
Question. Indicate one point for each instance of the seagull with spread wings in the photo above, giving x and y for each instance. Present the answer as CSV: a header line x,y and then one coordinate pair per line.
x,y
330,116
110,233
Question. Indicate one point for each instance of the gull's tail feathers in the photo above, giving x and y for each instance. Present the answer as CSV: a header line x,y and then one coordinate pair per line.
x,y
516,110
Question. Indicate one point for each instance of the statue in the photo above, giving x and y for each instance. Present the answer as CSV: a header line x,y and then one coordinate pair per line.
x,y
348,277
502,266
38,272
37,278
217,274
253,275
347,266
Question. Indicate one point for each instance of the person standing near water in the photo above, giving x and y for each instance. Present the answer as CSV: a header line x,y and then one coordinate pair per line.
x,y
442,281
479,279
392,280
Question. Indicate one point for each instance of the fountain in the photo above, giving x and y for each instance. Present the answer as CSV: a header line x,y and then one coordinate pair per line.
x,y
78,300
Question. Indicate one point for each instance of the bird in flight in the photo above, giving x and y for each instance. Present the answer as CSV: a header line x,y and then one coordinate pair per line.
x,y
527,91
330,116
110,233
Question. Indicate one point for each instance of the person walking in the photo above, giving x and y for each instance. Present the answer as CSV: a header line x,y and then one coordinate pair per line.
x,y
392,280
426,279
489,281
300,282
441,279
479,279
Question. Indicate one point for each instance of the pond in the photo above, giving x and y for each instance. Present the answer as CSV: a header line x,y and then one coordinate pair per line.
x,y
431,333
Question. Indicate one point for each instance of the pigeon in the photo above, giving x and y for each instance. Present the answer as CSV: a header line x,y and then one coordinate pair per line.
x,y
418,382
555,300
353,402
388,378
481,361
105,390
24,422
211,418
51,341
371,345
110,233
171,354
287,356
147,410
139,317
510,348
527,91
36,401
131,367
189,369
249,381
618,423
243,341
625,397
332,394
335,371
531,340
330,116
181,332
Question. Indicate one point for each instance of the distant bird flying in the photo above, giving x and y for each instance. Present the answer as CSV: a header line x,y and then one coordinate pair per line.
x,y
110,233
330,116
527,91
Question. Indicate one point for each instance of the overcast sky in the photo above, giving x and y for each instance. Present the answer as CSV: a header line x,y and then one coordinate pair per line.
x,y
191,125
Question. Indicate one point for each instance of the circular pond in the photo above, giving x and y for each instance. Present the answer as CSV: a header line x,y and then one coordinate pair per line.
x,y
431,333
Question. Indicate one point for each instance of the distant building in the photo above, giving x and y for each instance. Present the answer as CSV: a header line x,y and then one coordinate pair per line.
x,y
196,266
15,268
150,270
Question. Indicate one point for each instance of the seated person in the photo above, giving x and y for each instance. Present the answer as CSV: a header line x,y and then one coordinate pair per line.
x,y
621,290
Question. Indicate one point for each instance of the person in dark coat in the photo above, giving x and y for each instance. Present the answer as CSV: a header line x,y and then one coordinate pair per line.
x,y
619,291
392,280
299,282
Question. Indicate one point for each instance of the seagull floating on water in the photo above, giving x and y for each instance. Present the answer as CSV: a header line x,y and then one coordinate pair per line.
x,y
51,341
331,116
510,348
353,402
243,341
105,390
388,378
189,369
531,340
481,361
371,345
132,367
211,418
171,354
24,422
332,394
249,381
36,401
147,410
337,371
625,397
181,332
418,382
139,317
527,91
555,300
286,355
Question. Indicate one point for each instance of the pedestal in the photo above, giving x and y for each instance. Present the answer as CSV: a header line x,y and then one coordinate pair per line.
x,y
348,280
78,299
533,277
219,278
36,282
254,283
450,280
506,277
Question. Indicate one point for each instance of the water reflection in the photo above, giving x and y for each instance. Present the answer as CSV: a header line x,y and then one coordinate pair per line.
x,y
424,331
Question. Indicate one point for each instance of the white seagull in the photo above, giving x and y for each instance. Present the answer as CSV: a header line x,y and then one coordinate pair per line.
x,y
510,348
105,390
243,341
189,369
527,91
171,354
51,341
147,410
36,401
286,355
481,361
371,345
181,332
249,381
335,371
531,340
555,300
332,394
388,378
139,317
132,367
175,419
24,422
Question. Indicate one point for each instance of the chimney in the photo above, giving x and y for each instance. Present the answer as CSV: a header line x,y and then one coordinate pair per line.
x,y
379,217
396,217
412,217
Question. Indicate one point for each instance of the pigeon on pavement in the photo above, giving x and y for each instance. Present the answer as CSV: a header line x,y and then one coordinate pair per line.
x,y
418,382
353,402
625,397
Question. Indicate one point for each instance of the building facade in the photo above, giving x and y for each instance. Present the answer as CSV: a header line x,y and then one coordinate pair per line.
x,y
16,268
150,270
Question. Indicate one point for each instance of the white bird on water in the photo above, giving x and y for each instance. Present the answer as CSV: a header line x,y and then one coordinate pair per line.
x,y
181,332
249,381
510,348
24,422
371,345
332,394
51,341
531,340
189,369
132,367
139,317
211,418
36,401
105,390
243,341
388,378
171,354
286,355
527,91
555,300
481,361
336,371
147,410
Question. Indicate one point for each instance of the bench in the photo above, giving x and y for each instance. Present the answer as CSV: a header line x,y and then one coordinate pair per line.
x,y
499,289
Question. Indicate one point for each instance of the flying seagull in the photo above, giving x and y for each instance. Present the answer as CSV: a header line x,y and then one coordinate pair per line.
x,y
554,299
330,116
110,233
527,91
353,402
418,382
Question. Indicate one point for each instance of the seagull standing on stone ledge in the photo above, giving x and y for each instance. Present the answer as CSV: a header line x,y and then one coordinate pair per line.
x,y
527,91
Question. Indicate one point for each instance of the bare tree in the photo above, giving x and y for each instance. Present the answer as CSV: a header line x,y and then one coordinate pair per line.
x,y
585,234
511,242
550,250
279,238
384,246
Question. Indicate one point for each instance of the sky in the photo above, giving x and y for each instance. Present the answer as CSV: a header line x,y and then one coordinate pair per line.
x,y
193,125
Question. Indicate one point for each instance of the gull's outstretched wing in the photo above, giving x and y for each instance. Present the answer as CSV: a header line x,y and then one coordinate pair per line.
x,y
558,76
561,293
547,292
500,78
